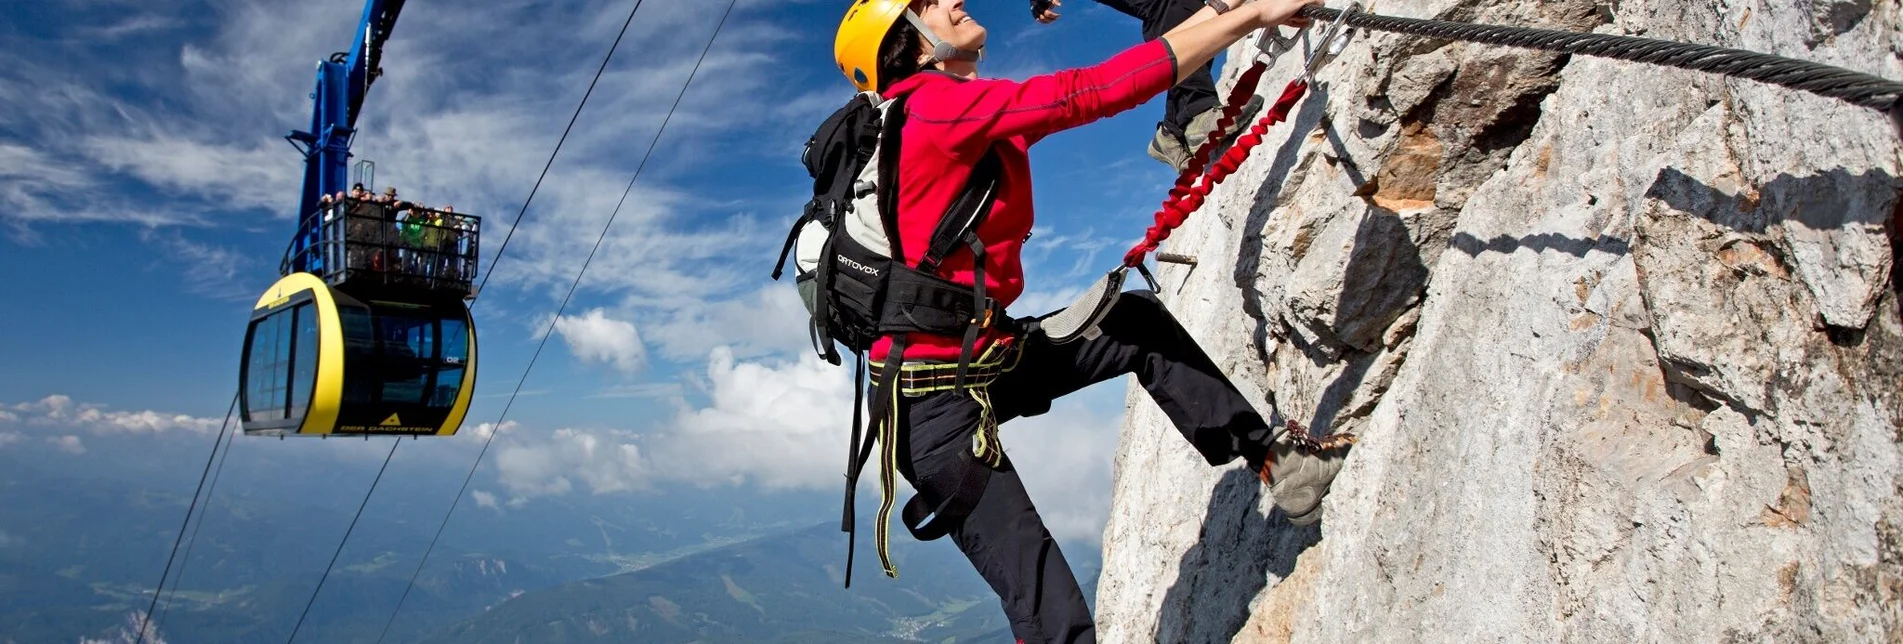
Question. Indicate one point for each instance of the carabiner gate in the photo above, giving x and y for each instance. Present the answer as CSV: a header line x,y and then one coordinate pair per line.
x,y
1332,43
1273,44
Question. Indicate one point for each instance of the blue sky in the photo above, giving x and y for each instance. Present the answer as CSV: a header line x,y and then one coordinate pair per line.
x,y
146,195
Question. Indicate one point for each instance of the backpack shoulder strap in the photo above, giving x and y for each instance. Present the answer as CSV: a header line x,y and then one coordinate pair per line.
x,y
890,144
967,212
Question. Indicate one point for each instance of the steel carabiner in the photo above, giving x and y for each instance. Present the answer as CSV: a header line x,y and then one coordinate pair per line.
x,y
1331,44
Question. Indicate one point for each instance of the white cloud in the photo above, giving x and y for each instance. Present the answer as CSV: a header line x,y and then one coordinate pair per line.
x,y
68,443
776,425
485,500
768,320
60,411
783,425
8,438
606,462
135,629
641,390
207,269
485,429
593,336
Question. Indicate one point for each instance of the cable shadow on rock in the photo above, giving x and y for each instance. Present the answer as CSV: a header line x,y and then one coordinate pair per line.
x,y
1249,256
1832,200
1237,552
1578,247
1313,107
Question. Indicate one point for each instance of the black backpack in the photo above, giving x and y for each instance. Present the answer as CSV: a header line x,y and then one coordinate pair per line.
x,y
847,239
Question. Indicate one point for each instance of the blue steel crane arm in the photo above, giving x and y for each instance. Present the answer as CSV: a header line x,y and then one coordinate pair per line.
x,y
343,81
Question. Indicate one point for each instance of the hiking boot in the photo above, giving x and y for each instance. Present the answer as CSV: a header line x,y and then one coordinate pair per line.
x,y
1167,147
1202,124
1300,471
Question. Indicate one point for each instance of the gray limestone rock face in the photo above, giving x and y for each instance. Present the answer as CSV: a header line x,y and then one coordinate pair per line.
x,y
1623,345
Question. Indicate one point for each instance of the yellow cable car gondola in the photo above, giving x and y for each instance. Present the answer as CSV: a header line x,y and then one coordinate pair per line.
x,y
373,335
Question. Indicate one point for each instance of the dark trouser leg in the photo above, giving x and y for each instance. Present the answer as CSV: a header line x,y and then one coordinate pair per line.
x,y
1197,93
1139,336
1003,536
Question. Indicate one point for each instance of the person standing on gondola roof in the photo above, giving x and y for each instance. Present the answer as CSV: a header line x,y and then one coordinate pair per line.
x,y
927,51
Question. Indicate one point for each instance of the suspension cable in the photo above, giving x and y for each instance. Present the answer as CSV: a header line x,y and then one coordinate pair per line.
x,y
211,496
340,542
550,331
1856,88
146,620
558,149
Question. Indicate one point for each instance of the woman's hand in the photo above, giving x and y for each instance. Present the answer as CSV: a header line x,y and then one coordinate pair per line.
x,y
1274,13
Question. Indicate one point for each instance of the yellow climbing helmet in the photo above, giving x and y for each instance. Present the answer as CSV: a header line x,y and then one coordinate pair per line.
x,y
856,47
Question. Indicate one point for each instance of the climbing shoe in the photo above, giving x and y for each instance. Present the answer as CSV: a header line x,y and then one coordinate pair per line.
x,y
1301,469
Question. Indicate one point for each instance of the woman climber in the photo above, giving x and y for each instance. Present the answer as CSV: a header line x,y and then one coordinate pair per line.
x,y
948,437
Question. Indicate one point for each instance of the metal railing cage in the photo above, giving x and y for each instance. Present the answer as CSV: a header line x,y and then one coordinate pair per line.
x,y
361,242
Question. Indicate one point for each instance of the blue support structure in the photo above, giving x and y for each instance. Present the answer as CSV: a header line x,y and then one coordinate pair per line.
x,y
343,82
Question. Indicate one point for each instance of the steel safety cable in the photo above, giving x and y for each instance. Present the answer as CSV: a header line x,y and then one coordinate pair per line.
x,y
497,427
1856,88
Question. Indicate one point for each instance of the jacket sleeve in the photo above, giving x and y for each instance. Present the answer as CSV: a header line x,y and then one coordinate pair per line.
x,y
966,117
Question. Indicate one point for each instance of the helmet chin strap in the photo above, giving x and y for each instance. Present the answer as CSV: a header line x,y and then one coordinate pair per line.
x,y
942,50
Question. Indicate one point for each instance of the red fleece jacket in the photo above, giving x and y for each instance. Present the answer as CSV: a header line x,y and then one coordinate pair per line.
x,y
950,123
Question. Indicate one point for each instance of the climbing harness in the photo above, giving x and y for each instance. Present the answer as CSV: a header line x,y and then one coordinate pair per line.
x,y
851,271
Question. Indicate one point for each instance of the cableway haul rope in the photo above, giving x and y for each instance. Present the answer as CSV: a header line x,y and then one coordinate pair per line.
x,y
146,620
548,332
1856,88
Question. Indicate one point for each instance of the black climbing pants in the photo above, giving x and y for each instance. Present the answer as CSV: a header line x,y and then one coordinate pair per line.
x,y
1197,93
1003,536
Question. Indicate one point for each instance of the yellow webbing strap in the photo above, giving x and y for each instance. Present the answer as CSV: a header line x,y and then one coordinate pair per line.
x,y
927,378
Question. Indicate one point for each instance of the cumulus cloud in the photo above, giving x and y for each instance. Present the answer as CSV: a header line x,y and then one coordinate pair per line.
x,y
483,430
783,425
7,438
61,411
68,443
765,321
593,336
485,500
776,425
